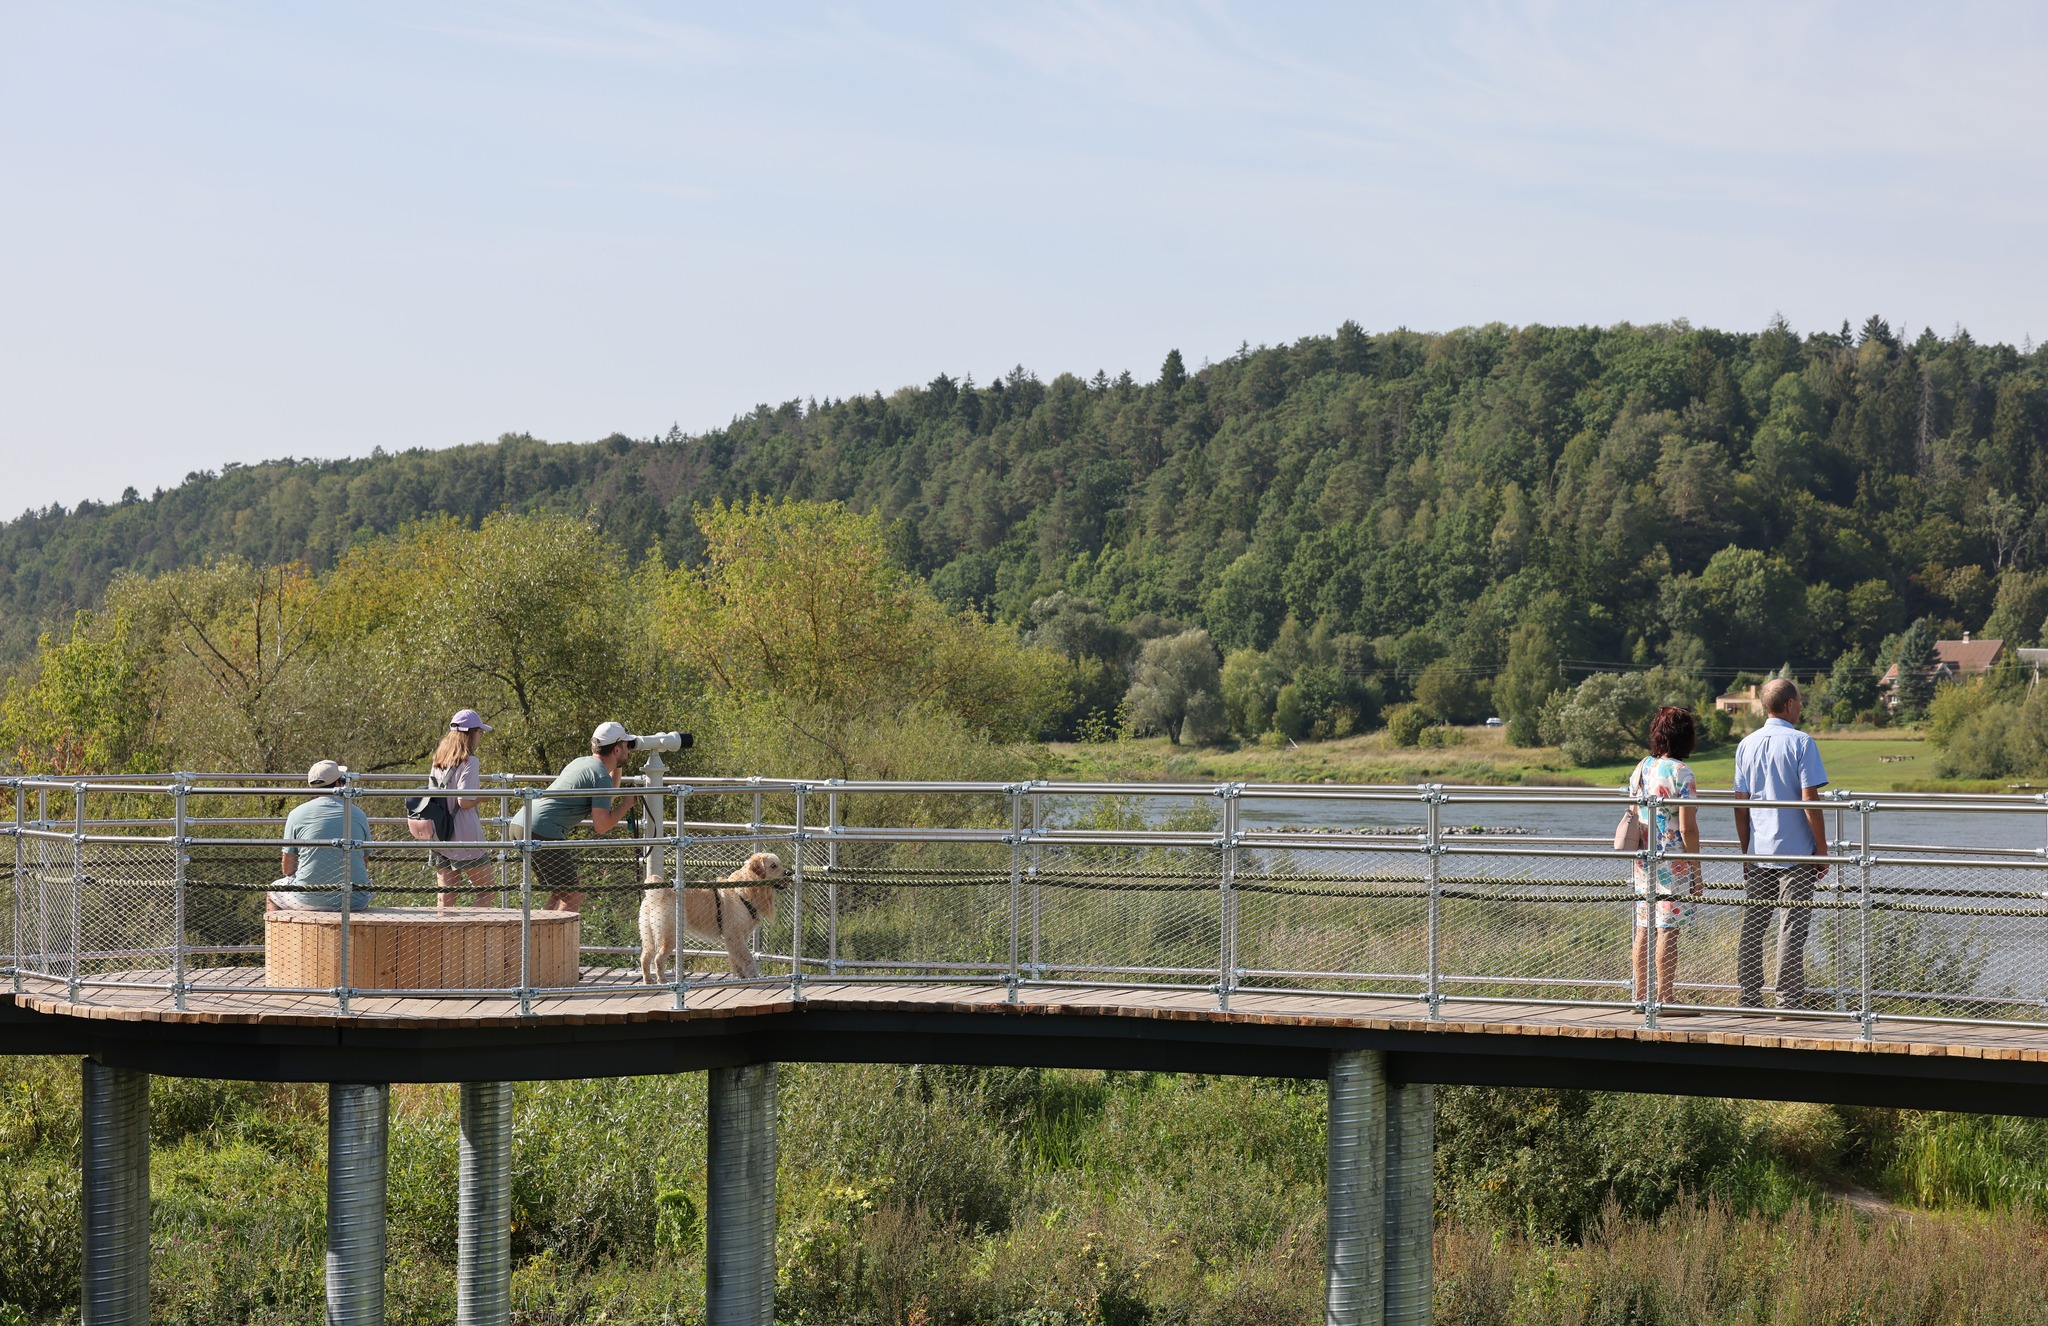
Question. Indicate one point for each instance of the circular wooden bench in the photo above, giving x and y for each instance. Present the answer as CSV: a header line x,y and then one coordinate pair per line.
x,y
418,948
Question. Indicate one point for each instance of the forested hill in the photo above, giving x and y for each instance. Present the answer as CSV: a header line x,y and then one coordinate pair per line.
x,y
1740,500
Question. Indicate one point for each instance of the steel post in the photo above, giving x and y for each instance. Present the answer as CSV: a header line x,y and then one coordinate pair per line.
x,y
180,860
832,882
1650,857
1354,1260
348,898
526,905
1016,887
77,889
1866,1012
1432,976
115,1196
739,1224
20,860
1226,903
796,895
483,1240
1411,1205
358,1133
676,936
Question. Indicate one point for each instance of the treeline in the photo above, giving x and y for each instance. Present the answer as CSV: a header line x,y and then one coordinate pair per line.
x,y
794,647
1711,501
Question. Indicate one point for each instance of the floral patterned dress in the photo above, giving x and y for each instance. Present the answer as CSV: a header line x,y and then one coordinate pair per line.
x,y
1670,780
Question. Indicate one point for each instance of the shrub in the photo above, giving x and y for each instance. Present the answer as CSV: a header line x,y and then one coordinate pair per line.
x,y
1548,1161
1406,724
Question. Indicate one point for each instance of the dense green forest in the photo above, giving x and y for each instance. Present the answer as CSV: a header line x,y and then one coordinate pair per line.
x,y
1741,499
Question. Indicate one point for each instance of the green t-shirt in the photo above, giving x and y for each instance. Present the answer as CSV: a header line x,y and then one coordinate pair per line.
x,y
553,817
327,817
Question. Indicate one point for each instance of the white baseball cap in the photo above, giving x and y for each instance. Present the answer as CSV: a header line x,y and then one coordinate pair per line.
x,y
468,720
607,733
324,772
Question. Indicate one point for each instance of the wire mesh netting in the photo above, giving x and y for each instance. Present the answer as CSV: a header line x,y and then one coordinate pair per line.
x,y
1922,908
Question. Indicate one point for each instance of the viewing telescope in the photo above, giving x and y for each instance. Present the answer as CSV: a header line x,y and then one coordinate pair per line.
x,y
660,741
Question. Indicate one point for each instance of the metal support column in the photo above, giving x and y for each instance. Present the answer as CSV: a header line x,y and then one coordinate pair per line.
x,y
1411,1204
115,1197
739,1225
358,1135
483,1238
1354,1261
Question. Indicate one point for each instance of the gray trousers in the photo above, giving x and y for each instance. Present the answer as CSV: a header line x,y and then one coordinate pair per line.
x,y
1775,884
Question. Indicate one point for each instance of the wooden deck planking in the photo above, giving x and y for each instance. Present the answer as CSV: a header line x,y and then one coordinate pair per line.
x,y
247,1002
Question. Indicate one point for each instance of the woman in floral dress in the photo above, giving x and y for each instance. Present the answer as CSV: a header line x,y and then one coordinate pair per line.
x,y
1664,774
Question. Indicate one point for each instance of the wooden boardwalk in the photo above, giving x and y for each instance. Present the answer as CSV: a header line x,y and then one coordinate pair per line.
x,y
246,1004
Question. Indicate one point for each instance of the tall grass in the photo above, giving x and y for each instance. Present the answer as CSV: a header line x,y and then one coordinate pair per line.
x,y
1026,1197
1701,1264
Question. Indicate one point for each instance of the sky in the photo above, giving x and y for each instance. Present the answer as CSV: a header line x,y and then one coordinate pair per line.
x,y
240,231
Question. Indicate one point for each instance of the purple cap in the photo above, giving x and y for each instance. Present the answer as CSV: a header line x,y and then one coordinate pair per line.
x,y
468,720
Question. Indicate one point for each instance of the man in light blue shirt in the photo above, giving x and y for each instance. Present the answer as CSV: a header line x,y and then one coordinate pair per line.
x,y
317,818
1778,762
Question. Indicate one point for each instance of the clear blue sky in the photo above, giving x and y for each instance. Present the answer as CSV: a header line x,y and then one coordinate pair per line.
x,y
235,231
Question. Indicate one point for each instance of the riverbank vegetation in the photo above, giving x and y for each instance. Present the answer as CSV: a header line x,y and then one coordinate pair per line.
x,y
1025,1196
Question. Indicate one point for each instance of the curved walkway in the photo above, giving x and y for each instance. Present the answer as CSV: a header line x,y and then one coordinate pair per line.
x,y
1960,1066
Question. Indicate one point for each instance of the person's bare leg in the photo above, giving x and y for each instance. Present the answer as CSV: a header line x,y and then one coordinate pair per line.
x,y
1636,959
448,880
485,882
1667,964
565,902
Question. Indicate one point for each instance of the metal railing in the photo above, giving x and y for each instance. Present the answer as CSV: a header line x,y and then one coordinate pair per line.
x,y
1926,906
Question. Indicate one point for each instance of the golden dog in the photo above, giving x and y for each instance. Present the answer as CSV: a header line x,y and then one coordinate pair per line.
x,y
727,916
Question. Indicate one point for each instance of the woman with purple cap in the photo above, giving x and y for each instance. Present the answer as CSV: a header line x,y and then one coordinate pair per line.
x,y
456,768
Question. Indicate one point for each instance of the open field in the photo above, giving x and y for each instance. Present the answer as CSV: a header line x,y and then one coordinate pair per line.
x,y
1867,760
1870,761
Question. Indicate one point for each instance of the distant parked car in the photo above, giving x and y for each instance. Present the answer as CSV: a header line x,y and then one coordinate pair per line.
x,y
1495,722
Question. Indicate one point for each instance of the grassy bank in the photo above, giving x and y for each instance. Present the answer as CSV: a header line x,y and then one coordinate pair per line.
x,y
1868,761
1035,1198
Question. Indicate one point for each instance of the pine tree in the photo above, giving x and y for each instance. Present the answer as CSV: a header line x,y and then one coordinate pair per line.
x,y
1914,686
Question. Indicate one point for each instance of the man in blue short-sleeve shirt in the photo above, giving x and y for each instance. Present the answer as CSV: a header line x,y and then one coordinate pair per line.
x,y
328,817
554,817
1778,762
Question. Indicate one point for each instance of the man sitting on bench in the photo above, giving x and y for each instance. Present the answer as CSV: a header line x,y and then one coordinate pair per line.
x,y
329,816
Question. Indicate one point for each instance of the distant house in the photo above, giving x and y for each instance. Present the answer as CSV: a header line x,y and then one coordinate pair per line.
x,y
1954,660
2035,660
1743,701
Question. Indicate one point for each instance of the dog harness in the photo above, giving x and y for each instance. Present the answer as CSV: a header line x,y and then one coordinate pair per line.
x,y
718,909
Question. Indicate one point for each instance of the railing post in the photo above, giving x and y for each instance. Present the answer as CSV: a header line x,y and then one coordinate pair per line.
x,y
1650,857
1226,902
358,1134
526,905
77,887
739,1197
20,863
346,976
832,880
797,840
682,850
115,1196
1866,1012
1835,918
1355,1253
1037,889
1016,919
46,958
483,1240
1432,796
180,859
